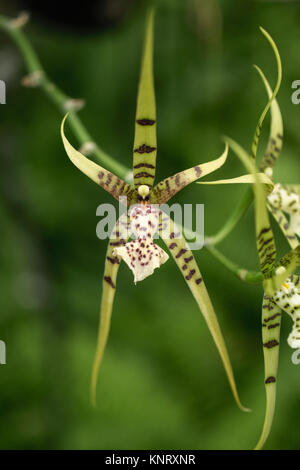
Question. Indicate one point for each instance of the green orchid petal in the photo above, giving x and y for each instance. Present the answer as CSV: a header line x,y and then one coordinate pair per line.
x,y
284,225
273,95
107,180
145,146
186,262
276,129
271,320
245,179
112,264
290,261
264,235
167,188
295,279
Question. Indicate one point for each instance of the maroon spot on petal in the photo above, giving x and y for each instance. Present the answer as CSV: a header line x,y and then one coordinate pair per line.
x,y
181,252
109,281
198,171
144,149
270,380
145,122
190,274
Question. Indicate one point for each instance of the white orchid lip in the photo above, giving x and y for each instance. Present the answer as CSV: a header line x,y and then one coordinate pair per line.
x,y
288,299
289,202
142,255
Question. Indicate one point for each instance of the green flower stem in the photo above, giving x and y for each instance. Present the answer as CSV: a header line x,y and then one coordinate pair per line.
x,y
38,78
251,277
233,220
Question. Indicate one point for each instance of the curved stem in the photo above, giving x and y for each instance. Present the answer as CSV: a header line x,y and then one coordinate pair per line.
x,y
233,219
251,277
38,78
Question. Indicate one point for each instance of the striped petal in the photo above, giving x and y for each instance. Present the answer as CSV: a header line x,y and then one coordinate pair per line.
x,y
284,225
183,256
273,95
107,180
264,235
112,263
271,320
285,268
167,188
145,146
276,129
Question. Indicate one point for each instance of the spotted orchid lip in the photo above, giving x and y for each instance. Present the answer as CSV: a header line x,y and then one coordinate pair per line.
x,y
288,299
142,255
287,200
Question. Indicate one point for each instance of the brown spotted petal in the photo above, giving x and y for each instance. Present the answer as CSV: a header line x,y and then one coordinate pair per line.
x,y
142,257
167,188
107,180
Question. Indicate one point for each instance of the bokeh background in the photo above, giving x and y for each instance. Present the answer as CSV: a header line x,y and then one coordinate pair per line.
x,y
162,385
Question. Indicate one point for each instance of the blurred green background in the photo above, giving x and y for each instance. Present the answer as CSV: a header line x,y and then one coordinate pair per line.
x,y
162,385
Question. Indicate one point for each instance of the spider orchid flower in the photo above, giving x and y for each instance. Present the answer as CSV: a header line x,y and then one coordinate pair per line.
x,y
142,255
281,290
281,286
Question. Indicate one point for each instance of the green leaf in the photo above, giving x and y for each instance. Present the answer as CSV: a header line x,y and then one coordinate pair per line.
x,y
107,180
145,146
186,262
271,320
267,107
112,263
167,188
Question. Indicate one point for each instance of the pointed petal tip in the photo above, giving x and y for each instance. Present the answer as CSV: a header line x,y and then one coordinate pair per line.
x,y
240,405
246,410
